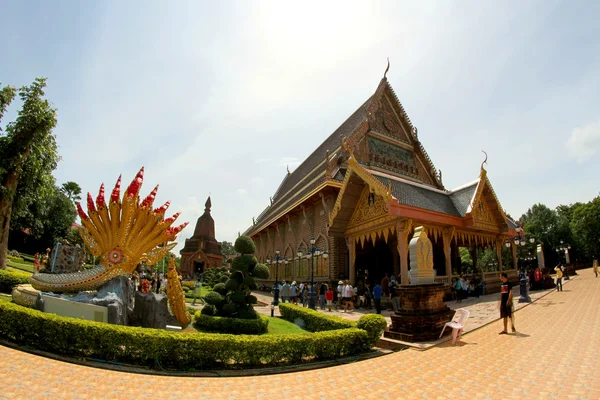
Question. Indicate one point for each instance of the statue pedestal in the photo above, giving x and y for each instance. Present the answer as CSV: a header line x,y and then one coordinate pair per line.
x,y
420,276
422,313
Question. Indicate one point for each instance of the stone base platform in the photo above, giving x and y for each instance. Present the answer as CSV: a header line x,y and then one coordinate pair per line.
x,y
422,313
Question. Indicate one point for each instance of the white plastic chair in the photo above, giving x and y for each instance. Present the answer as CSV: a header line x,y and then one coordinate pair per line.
x,y
457,324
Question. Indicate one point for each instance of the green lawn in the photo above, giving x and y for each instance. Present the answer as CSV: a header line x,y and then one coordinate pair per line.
x,y
16,269
278,326
23,266
5,298
203,292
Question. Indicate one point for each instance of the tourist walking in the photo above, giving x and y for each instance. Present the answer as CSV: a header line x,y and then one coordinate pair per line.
x,y
394,296
293,293
340,295
285,292
559,277
506,302
329,298
368,297
596,267
385,285
347,293
322,290
377,292
305,295
458,288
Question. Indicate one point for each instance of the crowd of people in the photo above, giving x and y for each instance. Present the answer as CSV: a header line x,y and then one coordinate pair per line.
x,y
463,288
343,296
147,282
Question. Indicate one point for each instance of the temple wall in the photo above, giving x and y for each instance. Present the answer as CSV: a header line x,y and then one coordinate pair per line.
x,y
295,235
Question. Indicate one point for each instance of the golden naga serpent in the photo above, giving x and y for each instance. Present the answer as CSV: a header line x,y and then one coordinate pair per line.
x,y
123,233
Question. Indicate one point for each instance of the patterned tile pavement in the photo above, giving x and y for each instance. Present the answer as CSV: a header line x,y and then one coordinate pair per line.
x,y
554,355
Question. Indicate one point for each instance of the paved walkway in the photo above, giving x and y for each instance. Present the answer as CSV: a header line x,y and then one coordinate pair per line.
x,y
554,355
484,310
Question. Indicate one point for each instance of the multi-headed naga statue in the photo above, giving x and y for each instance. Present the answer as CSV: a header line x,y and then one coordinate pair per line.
x,y
123,233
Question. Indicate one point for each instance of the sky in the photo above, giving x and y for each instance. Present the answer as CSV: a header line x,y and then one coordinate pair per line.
x,y
220,98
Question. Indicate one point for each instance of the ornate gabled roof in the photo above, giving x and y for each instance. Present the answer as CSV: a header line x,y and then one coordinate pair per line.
x,y
409,129
463,197
330,144
308,175
419,196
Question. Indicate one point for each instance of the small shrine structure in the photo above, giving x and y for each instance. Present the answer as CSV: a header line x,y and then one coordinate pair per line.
x,y
202,250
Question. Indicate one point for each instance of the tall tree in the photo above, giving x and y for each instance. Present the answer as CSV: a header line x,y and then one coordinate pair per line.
x,y
227,249
72,190
586,227
541,222
28,148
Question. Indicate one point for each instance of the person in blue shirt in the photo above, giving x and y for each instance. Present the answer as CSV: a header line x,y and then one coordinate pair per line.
x,y
377,291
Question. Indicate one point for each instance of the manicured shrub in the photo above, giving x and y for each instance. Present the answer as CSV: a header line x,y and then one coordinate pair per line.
x,y
209,309
213,298
231,285
312,320
261,271
220,288
244,263
10,279
235,326
244,245
238,301
174,350
374,324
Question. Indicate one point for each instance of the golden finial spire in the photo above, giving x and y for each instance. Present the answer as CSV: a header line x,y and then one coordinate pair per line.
x,y
482,170
387,69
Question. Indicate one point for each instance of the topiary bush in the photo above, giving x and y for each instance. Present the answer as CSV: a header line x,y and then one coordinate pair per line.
x,y
374,324
10,279
237,301
244,245
220,288
213,298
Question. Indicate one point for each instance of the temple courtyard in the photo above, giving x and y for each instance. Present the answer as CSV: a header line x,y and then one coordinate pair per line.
x,y
554,355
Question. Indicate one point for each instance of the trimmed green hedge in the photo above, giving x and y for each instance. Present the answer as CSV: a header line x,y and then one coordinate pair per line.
x,y
10,279
312,320
182,351
234,326
315,321
374,324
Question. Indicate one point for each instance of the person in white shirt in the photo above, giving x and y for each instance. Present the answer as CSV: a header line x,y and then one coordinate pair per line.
x,y
347,293
340,295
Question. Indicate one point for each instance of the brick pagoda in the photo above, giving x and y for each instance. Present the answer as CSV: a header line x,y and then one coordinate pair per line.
x,y
202,250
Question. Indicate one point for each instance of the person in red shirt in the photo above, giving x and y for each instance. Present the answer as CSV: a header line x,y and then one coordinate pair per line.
x,y
538,276
329,298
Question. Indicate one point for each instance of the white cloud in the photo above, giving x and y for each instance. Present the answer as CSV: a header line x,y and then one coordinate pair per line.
x,y
242,191
584,142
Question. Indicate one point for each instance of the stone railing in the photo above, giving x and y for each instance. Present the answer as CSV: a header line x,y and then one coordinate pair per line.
x,y
446,280
487,276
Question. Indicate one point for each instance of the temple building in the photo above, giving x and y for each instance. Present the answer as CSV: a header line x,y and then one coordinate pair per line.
x,y
202,250
361,193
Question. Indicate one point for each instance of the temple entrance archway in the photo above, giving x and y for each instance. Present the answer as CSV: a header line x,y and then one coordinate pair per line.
x,y
373,261
199,266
